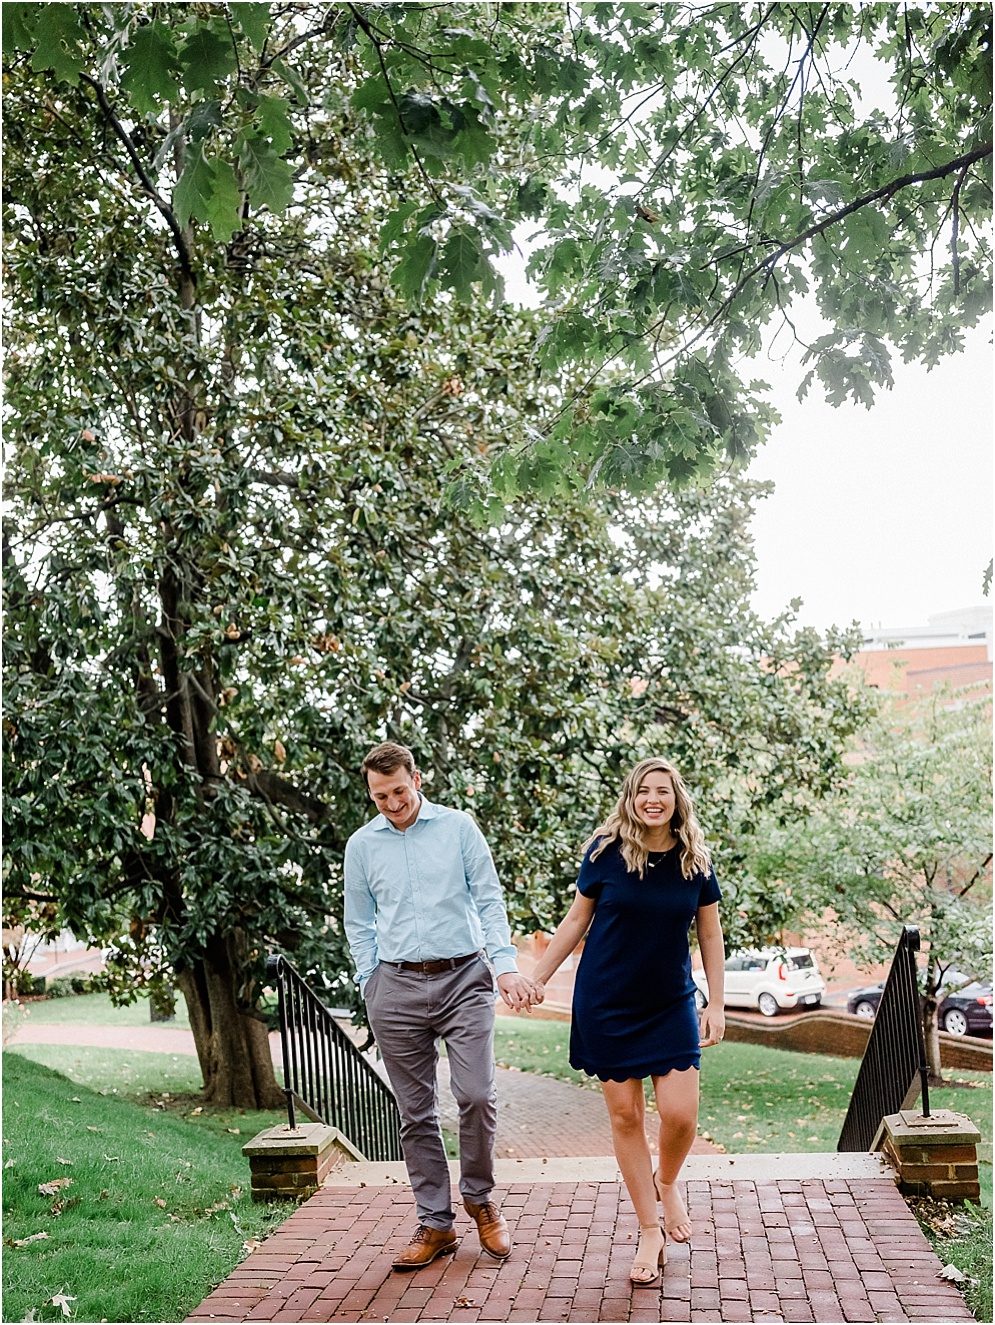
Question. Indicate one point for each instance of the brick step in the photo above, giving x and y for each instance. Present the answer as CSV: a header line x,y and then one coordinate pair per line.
x,y
817,1165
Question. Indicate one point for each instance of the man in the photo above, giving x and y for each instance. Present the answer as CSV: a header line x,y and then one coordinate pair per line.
x,y
421,899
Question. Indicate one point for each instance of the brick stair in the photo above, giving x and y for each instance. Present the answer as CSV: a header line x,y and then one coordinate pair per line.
x,y
805,1237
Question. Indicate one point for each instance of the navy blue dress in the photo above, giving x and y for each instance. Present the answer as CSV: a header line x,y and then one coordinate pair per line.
x,y
633,1005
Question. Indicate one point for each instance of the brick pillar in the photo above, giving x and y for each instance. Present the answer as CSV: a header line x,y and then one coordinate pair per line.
x,y
935,1156
289,1164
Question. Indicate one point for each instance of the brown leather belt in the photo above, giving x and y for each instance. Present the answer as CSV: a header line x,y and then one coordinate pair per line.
x,y
436,967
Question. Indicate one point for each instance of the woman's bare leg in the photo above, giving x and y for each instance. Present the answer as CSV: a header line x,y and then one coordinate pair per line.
x,y
627,1111
677,1102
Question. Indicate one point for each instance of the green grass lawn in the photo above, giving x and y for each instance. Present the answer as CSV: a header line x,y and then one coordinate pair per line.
x,y
131,1072
97,1010
157,1212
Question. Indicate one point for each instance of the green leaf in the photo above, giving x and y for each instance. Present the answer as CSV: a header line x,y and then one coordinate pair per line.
x,y
462,261
273,118
58,36
393,227
473,142
208,57
269,180
254,21
208,191
150,64
204,117
415,266
193,188
293,79
224,203
372,96
18,26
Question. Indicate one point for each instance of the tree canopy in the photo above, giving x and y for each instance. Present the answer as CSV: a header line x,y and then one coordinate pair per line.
x,y
905,838
230,568
687,174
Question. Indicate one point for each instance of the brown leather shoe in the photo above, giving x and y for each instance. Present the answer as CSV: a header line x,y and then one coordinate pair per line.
x,y
494,1236
423,1248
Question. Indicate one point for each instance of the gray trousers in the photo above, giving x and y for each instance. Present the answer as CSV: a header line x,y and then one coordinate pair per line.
x,y
409,1013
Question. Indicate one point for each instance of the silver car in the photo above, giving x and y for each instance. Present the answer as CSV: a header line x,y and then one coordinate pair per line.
x,y
771,979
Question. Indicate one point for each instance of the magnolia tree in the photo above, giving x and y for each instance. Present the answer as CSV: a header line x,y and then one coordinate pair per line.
x,y
906,840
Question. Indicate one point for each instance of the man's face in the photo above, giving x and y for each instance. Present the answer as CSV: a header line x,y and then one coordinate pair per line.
x,y
395,795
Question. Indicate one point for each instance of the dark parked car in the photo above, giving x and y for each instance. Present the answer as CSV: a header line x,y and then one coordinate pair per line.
x,y
966,1011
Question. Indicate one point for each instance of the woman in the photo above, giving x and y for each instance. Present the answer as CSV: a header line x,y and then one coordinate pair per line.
x,y
646,875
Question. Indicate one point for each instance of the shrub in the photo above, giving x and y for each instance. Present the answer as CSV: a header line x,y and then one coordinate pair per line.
x,y
65,986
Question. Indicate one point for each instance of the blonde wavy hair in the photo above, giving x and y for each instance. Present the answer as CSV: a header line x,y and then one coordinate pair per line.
x,y
623,825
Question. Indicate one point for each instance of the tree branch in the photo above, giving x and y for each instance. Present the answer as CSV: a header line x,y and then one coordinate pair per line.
x,y
182,248
976,875
280,792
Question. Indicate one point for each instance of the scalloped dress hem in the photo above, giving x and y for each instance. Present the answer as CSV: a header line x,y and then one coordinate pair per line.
x,y
640,1073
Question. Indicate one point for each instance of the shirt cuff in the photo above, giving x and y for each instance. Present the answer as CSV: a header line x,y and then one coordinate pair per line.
x,y
504,963
362,978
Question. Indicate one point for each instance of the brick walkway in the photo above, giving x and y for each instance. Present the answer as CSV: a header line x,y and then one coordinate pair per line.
x,y
538,1116
765,1249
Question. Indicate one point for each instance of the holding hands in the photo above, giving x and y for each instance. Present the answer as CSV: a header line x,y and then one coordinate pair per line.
x,y
519,992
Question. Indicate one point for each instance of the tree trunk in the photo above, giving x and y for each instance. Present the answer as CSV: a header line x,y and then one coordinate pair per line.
x,y
232,1040
931,1035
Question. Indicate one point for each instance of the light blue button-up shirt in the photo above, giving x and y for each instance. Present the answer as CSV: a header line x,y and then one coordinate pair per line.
x,y
429,892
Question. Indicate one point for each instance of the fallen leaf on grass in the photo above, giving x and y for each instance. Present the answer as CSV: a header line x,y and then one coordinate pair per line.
x,y
61,1300
104,1195
159,1202
93,1129
112,1159
251,1244
194,1112
24,1242
59,1206
235,1131
52,1188
10,1163
951,1273
60,1160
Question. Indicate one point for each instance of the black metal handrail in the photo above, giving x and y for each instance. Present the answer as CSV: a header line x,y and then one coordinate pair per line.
x,y
326,1076
893,1068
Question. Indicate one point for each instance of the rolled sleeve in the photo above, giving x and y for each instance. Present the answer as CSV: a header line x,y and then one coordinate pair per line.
x,y
360,913
485,889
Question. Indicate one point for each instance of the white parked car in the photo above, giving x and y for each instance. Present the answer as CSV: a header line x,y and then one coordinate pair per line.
x,y
772,980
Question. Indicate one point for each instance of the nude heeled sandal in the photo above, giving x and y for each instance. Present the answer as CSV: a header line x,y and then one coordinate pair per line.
x,y
669,1228
647,1260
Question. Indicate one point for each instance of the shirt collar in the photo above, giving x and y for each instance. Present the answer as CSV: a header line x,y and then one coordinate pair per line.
x,y
426,811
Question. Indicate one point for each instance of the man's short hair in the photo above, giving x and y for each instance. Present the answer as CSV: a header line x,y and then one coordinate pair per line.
x,y
387,758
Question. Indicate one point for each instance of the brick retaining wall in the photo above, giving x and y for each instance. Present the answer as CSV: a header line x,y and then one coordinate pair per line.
x,y
845,1036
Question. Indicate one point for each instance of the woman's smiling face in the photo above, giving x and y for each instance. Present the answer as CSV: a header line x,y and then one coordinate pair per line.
x,y
655,800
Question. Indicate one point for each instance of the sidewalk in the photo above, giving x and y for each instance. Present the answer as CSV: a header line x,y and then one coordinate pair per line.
x,y
765,1248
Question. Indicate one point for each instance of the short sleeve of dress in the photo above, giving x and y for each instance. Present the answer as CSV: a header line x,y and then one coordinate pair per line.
x,y
592,875
710,890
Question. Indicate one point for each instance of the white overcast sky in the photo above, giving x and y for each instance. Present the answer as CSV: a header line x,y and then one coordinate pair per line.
x,y
883,516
